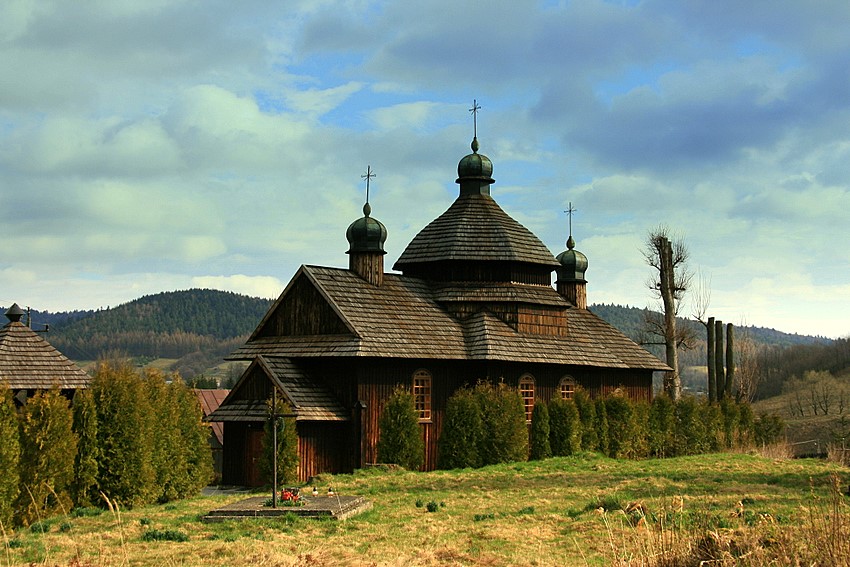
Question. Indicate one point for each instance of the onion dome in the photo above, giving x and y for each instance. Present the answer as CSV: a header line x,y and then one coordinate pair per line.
x,y
366,234
474,172
573,263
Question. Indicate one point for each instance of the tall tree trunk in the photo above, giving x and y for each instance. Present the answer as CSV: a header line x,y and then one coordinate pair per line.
x,y
730,358
672,381
720,375
709,360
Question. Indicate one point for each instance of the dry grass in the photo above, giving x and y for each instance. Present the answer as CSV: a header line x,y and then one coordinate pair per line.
x,y
730,509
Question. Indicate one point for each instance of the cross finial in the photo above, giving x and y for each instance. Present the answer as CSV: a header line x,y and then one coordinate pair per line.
x,y
474,110
570,210
368,177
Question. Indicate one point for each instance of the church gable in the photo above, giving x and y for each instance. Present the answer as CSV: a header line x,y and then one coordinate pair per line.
x,y
302,309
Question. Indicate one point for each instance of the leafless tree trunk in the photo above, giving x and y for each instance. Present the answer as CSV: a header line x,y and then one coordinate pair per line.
x,y
669,258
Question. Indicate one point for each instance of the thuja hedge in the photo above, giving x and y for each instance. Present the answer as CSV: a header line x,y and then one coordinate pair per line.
x,y
133,438
483,425
614,425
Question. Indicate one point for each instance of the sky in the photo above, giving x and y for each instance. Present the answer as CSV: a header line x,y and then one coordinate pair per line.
x,y
164,145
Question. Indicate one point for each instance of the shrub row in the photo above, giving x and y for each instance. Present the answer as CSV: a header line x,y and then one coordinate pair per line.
x,y
486,425
623,428
134,438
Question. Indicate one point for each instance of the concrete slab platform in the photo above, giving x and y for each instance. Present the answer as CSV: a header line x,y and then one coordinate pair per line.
x,y
329,507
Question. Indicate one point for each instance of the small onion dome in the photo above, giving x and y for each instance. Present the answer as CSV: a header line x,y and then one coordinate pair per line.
x,y
14,313
475,166
366,234
573,263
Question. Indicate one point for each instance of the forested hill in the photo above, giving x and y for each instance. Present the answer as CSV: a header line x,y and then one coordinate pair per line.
x,y
630,321
165,325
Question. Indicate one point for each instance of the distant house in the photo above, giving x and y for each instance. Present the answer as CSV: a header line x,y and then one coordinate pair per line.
x,y
29,363
473,300
210,400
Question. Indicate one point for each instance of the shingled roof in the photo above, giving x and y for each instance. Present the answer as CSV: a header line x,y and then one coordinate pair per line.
x,y
475,228
404,319
28,362
310,400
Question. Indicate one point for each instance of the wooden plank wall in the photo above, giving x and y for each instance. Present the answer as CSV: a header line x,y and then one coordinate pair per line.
x,y
320,448
373,381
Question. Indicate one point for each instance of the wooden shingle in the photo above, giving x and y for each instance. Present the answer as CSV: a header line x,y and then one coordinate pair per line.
x,y
28,362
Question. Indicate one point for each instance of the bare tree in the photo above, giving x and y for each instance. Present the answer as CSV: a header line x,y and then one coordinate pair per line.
x,y
669,257
700,300
747,372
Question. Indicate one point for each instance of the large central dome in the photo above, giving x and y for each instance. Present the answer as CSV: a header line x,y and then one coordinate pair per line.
x,y
477,232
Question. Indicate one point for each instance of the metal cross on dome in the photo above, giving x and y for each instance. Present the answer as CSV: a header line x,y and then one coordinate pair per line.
x,y
474,110
570,210
368,177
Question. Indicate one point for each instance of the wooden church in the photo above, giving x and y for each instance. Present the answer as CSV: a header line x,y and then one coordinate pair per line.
x,y
471,299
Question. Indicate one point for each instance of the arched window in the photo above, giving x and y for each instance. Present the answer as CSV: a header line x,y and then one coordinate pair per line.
x,y
526,391
422,394
567,387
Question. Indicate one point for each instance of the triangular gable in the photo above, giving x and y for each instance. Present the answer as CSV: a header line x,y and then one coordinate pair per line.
x,y
247,400
303,309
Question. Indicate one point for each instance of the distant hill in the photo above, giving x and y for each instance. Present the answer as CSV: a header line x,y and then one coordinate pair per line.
x,y
630,321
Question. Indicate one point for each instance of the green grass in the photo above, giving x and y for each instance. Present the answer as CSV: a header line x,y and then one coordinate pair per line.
x,y
563,511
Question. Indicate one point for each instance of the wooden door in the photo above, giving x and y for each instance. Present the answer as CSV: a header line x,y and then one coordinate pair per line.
x,y
254,450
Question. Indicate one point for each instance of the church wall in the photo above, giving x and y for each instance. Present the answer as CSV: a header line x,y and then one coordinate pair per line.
x,y
372,382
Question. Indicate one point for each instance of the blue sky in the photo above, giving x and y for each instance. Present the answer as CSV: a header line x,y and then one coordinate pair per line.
x,y
161,145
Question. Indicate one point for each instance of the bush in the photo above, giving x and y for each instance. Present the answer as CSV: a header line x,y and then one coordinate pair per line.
x,y
621,426
505,433
48,446
462,432
587,416
540,447
731,414
10,454
124,439
600,424
400,439
84,489
662,427
565,433
768,429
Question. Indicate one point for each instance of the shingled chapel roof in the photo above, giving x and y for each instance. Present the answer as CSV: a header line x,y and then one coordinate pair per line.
x,y
28,362
403,318
475,228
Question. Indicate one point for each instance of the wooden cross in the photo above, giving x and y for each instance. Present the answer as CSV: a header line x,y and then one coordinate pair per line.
x,y
570,210
368,177
474,110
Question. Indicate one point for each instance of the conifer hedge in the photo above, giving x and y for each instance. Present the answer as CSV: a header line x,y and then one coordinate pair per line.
x,y
400,441
565,427
505,432
462,432
540,447
48,446
10,454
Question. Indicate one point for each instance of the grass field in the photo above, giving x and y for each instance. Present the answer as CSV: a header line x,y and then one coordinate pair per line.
x,y
564,511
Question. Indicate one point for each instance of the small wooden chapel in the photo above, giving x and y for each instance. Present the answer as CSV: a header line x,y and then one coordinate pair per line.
x,y
471,298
